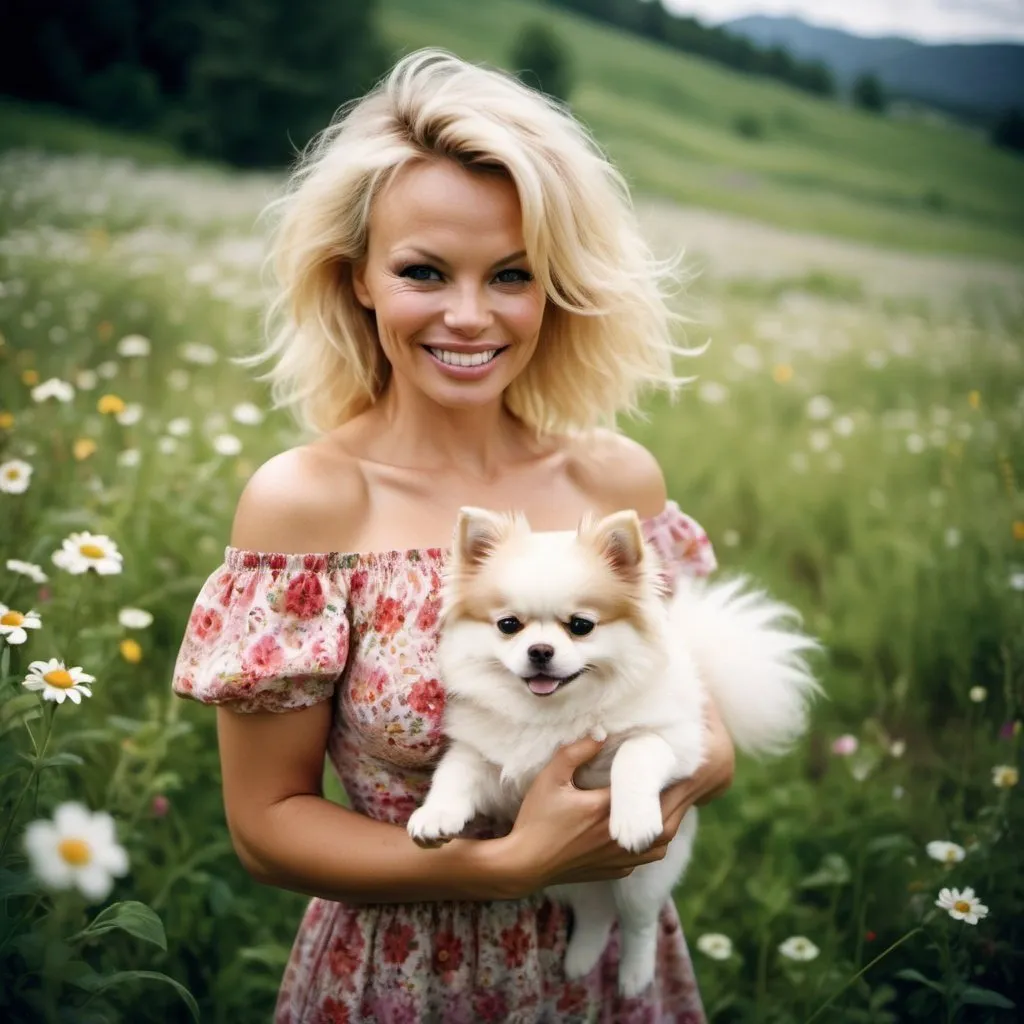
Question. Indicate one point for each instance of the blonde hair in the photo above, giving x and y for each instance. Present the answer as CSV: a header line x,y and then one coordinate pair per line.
x,y
607,331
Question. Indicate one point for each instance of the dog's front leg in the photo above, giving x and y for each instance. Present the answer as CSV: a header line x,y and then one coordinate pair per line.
x,y
641,769
458,790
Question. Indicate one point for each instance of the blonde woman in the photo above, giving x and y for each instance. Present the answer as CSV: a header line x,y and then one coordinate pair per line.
x,y
465,306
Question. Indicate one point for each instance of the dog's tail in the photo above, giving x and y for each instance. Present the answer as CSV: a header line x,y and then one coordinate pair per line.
x,y
751,655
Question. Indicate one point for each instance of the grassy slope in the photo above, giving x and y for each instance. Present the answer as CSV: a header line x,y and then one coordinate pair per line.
x,y
667,119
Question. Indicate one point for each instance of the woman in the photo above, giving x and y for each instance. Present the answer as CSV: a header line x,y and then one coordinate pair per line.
x,y
464,296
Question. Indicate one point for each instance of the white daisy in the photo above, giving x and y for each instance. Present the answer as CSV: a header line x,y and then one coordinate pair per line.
x,y
180,426
13,624
53,388
713,393
819,407
130,414
107,370
247,414
15,476
198,354
167,445
962,905
1016,581
716,946
977,694
30,569
1005,776
133,346
915,444
948,853
77,849
84,551
797,947
57,682
129,458
226,444
178,379
134,618
86,380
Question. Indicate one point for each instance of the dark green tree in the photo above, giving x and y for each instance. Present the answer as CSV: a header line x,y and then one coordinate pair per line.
x,y
868,93
542,60
1008,131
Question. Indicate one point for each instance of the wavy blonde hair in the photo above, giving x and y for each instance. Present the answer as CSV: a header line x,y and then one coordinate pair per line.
x,y
607,331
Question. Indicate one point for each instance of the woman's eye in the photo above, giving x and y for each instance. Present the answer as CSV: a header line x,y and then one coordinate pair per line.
x,y
579,626
420,272
509,625
513,275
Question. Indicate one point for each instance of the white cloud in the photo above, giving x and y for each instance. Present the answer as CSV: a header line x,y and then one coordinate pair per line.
x,y
927,20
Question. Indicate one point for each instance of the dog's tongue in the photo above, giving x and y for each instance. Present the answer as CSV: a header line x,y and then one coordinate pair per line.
x,y
542,685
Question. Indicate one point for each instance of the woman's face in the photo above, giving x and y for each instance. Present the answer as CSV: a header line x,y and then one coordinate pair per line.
x,y
458,310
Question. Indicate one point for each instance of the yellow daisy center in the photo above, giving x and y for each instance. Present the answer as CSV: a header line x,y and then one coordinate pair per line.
x,y
11,618
951,855
962,906
75,851
59,677
91,551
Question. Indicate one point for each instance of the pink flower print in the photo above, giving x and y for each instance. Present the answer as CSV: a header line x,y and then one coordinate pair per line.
x,y
205,623
490,1005
447,952
388,616
357,581
265,657
427,697
426,621
516,943
397,942
333,1012
305,596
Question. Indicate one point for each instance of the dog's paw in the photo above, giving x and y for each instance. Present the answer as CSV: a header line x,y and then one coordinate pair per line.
x,y
433,825
634,977
582,954
635,823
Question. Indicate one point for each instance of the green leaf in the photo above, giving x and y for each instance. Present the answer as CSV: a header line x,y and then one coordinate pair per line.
x,y
887,844
130,725
16,883
130,916
23,707
833,871
909,974
99,983
976,996
64,759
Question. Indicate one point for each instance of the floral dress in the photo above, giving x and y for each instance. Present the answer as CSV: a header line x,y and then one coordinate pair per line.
x,y
276,632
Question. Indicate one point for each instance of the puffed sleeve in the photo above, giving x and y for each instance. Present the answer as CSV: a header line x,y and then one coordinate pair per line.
x,y
681,543
267,632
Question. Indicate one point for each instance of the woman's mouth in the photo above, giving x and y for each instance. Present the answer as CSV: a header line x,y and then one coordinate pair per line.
x,y
464,365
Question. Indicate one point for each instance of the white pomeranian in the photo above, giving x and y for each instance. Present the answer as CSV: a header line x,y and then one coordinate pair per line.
x,y
549,636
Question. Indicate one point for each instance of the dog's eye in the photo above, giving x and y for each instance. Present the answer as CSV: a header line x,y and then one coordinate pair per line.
x,y
509,625
579,626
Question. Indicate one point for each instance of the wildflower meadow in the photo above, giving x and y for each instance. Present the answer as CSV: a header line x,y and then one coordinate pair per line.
x,y
851,439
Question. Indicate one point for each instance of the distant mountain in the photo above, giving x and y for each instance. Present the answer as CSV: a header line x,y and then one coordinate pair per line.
x,y
968,77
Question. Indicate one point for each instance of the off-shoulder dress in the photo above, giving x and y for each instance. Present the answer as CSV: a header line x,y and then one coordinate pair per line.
x,y
282,631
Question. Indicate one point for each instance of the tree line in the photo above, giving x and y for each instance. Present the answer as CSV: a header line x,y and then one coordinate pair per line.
x,y
246,82
650,19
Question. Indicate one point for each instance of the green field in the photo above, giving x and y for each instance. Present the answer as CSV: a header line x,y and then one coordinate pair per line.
x,y
852,439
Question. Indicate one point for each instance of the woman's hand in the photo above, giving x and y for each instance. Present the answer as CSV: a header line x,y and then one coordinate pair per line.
x,y
561,832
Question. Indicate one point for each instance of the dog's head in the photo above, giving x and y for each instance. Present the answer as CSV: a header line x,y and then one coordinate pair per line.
x,y
531,616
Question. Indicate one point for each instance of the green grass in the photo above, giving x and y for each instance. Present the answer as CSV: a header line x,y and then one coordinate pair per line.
x,y
667,119
858,455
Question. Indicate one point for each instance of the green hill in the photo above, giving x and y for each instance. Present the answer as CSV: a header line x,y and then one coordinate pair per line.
x,y
671,122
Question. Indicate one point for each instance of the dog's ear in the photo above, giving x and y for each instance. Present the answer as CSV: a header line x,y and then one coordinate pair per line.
x,y
620,540
478,532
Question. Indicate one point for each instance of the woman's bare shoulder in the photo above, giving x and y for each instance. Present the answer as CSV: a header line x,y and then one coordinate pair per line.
x,y
617,472
311,498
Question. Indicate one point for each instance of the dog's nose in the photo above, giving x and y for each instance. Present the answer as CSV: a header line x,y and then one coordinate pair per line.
x,y
540,654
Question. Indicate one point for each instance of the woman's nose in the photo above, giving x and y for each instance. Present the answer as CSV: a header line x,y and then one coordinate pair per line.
x,y
467,312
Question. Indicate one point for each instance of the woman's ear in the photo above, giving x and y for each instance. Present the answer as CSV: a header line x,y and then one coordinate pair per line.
x,y
362,293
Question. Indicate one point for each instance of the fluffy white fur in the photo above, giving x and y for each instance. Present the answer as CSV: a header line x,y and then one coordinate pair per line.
x,y
517,690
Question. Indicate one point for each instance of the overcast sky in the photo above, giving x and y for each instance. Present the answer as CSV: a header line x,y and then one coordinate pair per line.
x,y
928,20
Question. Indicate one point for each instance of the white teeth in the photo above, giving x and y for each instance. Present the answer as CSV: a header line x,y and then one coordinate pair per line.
x,y
463,358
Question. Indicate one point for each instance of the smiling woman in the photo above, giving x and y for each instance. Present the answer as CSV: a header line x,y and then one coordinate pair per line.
x,y
464,296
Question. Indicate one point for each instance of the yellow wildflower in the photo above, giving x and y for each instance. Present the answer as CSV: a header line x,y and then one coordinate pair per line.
x,y
110,405
83,448
974,399
30,377
1018,529
6,420
782,373
131,650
